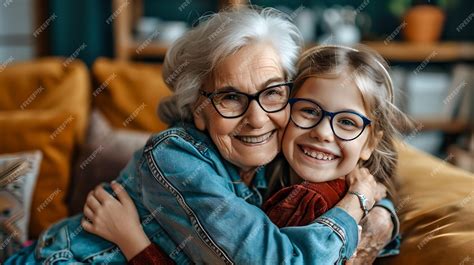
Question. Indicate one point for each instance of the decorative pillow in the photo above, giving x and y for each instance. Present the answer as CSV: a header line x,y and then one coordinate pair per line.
x,y
436,210
53,133
16,191
128,93
105,154
48,84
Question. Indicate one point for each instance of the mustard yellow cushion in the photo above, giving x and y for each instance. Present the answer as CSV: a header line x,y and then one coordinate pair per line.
x,y
53,133
128,93
436,210
48,84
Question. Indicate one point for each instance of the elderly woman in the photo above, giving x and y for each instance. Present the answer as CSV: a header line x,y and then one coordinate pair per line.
x,y
198,185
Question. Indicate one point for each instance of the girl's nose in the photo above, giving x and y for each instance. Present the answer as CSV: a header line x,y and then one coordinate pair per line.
x,y
323,131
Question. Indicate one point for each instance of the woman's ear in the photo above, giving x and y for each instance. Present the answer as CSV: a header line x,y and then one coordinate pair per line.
x,y
370,145
198,116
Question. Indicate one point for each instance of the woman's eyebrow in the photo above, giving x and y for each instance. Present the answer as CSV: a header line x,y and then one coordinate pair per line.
x,y
273,80
226,89
265,85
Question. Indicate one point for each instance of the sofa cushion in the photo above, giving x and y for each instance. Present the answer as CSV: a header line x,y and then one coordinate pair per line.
x,y
436,210
128,93
53,133
48,84
111,149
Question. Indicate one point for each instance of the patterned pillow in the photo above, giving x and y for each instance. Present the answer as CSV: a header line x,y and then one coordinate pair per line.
x,y
16,191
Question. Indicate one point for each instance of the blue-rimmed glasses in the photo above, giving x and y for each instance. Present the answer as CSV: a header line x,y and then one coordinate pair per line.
x,y
233,104
346,125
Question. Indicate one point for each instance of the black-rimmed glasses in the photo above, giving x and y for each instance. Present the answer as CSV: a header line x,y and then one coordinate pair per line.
x,y
346,125
233,104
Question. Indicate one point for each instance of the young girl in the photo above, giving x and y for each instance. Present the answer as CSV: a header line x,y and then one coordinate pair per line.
x,y
342,123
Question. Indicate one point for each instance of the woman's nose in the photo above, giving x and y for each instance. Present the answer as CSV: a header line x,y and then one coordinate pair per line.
x,y
323,131
256,116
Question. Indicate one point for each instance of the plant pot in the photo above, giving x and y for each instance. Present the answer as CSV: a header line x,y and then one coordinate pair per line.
x,y
424,24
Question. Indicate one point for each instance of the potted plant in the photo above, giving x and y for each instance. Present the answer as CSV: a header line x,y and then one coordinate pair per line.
x,y
424,19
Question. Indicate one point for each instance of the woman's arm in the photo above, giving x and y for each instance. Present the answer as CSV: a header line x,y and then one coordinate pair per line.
x,y
380,235
210,223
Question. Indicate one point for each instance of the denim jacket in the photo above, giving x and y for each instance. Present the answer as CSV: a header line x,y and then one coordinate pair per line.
x,y
192,203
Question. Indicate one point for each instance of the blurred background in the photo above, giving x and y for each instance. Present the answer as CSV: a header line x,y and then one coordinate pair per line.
x,y
80,82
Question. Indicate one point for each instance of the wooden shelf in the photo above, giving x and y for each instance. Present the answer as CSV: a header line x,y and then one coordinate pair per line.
x,y
413,52
400,52
125,46
153,49
447,126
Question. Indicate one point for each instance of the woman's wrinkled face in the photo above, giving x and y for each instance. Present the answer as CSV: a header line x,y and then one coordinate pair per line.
x,y
316,154
254,138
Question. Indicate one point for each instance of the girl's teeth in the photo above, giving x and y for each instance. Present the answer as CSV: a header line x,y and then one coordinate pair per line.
x,y
319,155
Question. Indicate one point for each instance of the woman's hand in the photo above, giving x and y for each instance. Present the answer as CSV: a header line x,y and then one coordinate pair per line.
x,y
377,230
115,220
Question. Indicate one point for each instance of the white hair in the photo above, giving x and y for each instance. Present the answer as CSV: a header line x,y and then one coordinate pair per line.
x,y
196,54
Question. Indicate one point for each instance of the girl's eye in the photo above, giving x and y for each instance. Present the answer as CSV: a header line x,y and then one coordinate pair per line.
x,y
311,111
347,122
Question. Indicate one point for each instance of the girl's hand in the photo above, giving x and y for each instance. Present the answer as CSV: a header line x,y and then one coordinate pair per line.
x,y
115,220
360,180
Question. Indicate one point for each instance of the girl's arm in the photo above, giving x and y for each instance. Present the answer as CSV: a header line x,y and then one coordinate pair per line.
x,y
117,220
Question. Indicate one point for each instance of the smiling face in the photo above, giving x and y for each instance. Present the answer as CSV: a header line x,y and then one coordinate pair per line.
x,y
254,138
316,154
